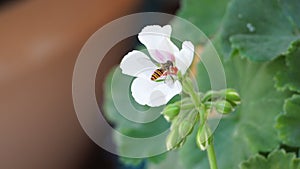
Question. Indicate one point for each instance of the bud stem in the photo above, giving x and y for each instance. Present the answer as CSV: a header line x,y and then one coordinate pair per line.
x,y
212,156
187,106
202,102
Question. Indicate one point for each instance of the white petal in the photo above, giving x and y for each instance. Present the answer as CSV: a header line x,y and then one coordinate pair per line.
x,y
184,58
147,92
137,64
140,89
163,93
157,41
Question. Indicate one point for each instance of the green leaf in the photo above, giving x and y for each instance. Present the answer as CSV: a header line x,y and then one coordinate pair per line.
x,y
171,162
288,123
158,159
131,161
276,160
259,30
291,9
205,14
288,78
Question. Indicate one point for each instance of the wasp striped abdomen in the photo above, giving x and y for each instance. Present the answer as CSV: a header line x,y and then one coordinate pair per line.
x,y
157,74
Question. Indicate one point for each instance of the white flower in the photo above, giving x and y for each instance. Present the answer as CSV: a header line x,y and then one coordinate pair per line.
x,y
162,50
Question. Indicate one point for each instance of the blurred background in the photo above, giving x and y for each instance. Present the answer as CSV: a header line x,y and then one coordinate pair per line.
x,y
39,44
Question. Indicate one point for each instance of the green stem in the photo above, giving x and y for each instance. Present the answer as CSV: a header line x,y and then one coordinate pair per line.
x,y
212,156
188,88
187,106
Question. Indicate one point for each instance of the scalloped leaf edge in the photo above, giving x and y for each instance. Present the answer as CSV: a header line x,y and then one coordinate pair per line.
x,y
287,86
291,156
283,136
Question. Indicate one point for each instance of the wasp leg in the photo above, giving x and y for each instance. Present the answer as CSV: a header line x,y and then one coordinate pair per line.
x,y
169,80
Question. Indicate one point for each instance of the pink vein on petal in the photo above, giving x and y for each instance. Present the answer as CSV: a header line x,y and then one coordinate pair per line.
x,y
164,56
159,56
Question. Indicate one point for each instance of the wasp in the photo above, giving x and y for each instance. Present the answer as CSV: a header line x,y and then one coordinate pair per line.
x,y
165,69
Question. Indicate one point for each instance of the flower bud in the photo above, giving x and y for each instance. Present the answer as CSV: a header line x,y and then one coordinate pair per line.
x,y
187,124
173,140
224,107
232,96
185,128
181,143
171,111
203,138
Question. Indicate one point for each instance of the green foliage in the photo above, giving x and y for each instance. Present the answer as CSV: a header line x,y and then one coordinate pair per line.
x,y
288,124
288,78
251,126
276,160
260,30
291,10
258,42
171,162
205,14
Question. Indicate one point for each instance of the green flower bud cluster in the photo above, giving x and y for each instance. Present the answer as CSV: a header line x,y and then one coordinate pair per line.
x,y
181,127
223,101
183,117
194,109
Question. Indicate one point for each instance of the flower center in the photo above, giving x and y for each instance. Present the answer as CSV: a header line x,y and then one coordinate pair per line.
x,y
167,70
